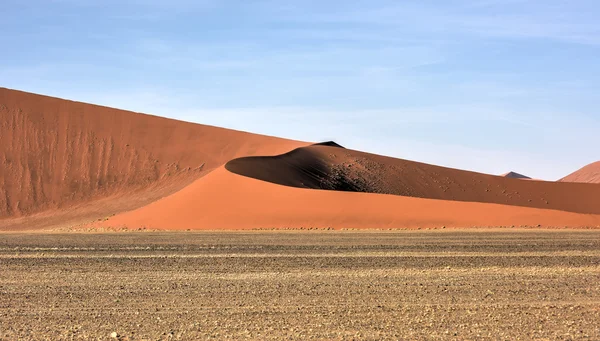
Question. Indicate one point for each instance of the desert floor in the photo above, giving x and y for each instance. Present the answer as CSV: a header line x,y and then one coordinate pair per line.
x,y
402,285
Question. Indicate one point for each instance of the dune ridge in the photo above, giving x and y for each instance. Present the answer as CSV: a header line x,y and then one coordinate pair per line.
x,y
333,168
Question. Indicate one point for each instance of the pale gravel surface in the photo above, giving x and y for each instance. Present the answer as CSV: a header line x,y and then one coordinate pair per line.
x,y
398,285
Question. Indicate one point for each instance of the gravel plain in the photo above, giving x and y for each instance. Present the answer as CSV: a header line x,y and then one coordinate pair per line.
x,y
500,284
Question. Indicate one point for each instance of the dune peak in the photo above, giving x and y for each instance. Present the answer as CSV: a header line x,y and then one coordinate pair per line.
x,y
515,175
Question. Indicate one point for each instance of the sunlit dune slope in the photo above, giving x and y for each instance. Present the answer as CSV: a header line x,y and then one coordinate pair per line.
x,y
57,155
224,200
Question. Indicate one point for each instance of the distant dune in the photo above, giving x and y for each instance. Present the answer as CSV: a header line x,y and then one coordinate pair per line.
x,y
587,174
514,175
68,164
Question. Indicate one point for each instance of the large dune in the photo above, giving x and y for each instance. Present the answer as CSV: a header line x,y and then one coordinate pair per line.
x,y
66,163
79,161
587,174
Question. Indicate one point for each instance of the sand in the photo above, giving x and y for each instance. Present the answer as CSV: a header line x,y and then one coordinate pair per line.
x,y
285,285
250,203
67,164
83,162
329,167
587,174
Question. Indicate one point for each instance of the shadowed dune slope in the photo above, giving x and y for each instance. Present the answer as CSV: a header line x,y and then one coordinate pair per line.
x,y
250,203
57,155
333,168
514,175
587,174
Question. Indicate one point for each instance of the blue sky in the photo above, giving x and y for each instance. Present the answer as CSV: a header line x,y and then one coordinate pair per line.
x,y
484,85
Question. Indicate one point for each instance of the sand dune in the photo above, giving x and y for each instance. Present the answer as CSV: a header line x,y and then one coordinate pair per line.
x,y
587,174
250,203
327,167
57,155
67,163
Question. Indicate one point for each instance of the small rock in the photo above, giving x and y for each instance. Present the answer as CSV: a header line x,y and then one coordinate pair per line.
x,y
114,335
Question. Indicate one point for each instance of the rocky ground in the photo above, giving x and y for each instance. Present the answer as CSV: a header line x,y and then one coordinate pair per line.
x,y
398,285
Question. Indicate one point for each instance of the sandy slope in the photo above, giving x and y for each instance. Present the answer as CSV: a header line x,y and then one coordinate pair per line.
x,y
250,203
58,155
328,167
587,174
65,163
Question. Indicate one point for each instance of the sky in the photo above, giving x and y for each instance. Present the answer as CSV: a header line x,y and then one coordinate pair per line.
x,y
485,85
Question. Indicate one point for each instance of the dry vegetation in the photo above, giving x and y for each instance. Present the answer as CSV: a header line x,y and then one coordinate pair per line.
x,y
464,285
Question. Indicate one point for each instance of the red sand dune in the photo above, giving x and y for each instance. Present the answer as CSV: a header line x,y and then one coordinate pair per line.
x,y
327,167
587,174
66,163
57,155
